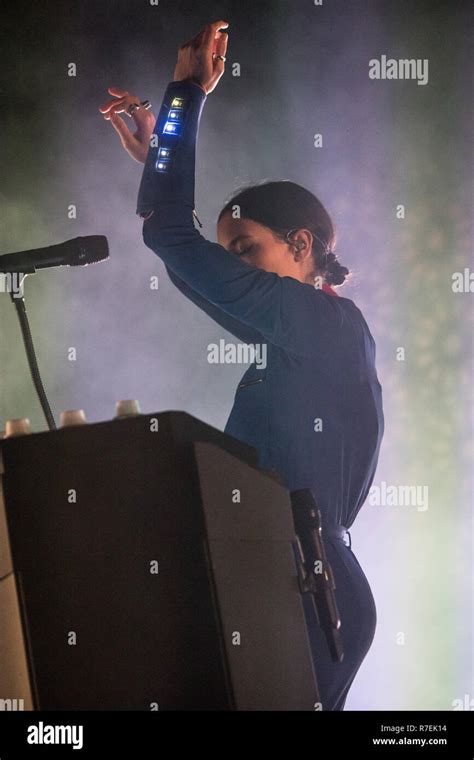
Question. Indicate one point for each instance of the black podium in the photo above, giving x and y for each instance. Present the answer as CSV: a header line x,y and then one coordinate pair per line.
x,y
146,563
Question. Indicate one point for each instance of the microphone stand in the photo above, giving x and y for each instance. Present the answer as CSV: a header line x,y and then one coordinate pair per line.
x,y
20,307
80,251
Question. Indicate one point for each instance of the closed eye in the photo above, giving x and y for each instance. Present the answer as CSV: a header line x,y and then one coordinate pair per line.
x,y
247,250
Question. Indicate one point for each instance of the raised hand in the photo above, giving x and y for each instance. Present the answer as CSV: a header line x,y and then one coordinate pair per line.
x,y
199,58
135,143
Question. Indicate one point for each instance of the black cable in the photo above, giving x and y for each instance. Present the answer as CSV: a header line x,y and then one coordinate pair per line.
x,y
31,356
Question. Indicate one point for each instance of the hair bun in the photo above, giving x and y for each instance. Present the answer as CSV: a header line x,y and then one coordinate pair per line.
x,y
335,272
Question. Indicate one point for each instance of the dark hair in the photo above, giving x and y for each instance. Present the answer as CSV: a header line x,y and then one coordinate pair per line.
x,y
285,206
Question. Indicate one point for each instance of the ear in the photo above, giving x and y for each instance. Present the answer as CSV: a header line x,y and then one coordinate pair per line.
x,y
301,242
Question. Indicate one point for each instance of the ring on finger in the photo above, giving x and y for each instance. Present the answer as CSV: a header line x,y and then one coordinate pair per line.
x,y
132,108
136,106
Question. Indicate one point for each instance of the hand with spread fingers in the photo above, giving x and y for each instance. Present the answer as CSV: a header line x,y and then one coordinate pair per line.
x,y
201,60
135,143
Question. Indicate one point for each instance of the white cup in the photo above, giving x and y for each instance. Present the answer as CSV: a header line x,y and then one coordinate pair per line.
x,y
127,408
17,427
72,417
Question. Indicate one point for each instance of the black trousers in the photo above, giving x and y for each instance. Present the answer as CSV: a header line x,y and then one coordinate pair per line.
x,y
358,622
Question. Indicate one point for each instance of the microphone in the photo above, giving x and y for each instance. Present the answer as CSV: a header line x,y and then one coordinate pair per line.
x,y
77,252
309,530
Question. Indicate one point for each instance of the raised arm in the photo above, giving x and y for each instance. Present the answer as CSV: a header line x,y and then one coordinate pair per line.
x,y
137,146
282,310
238,329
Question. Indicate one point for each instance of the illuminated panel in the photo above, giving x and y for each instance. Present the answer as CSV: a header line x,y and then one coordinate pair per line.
x,y
172,128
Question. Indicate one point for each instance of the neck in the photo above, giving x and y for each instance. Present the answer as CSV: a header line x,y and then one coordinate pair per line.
x,y
316,279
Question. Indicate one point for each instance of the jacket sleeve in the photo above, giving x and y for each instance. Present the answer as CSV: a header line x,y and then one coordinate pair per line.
x,y
238,329
283,310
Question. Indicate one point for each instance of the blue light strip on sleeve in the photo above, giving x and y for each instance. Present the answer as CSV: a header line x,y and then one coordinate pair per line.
x,y
168,174
171,131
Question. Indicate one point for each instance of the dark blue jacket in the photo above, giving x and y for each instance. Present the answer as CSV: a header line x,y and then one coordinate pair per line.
x,y
314,413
